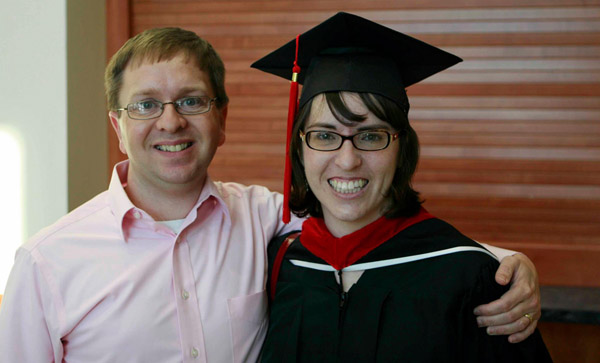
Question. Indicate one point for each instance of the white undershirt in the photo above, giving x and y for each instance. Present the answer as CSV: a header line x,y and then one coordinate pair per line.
x,y
174,225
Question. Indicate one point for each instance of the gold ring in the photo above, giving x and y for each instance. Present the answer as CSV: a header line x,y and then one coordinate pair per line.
x,y
528,316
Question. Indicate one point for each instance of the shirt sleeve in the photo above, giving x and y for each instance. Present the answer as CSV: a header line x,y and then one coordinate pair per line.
x,y
282,228
24,330
501,253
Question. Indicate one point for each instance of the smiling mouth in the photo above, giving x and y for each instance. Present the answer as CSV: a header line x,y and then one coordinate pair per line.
x,y
353,186
173,148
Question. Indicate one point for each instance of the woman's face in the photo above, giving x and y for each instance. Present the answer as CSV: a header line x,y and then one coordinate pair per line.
x,y
351,185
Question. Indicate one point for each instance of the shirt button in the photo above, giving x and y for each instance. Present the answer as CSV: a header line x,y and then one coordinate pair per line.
x,y
137,215
194,353
185,295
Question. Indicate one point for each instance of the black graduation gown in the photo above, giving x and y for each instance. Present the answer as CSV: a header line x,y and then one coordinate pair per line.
x,y
419,311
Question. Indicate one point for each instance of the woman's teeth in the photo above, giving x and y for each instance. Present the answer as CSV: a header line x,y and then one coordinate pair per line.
x,y
343,187
173,148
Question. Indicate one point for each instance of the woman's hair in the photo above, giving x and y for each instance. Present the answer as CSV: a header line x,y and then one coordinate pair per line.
x,y
404,200
161,44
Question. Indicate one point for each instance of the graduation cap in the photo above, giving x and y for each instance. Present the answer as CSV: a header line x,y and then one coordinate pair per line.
x,y
350,53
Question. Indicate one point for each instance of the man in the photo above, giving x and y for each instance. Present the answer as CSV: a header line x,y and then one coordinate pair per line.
x,y
167,265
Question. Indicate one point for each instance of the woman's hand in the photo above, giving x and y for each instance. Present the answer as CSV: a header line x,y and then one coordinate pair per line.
x,y
518,310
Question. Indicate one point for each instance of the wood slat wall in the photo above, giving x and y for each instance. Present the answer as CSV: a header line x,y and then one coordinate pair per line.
x,y
510,137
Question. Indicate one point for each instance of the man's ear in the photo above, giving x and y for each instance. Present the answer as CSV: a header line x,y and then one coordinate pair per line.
x,y
114,121
223,119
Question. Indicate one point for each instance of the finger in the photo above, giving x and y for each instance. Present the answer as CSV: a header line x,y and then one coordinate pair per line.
x,y
517,326
508,321
522,335
511,316
505,271
494,320
506,302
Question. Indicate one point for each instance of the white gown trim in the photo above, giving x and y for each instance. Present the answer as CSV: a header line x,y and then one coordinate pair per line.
x,y
390,262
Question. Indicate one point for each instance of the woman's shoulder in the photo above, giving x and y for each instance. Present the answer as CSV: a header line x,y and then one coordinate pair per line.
x,y
436,227
429,239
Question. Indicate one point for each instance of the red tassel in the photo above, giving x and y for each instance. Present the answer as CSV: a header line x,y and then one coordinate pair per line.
x,y
292,110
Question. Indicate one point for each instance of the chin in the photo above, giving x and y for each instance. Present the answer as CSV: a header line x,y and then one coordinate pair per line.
x,y
350,216
180,176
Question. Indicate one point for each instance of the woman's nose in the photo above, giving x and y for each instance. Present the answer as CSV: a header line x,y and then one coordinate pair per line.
x,y
348,157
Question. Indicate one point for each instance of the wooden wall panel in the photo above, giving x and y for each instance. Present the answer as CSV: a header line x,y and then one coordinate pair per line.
x,y
569,343
118,28
510,137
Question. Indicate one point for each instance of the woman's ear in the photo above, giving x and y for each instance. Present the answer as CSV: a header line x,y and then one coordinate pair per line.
x,y
300,157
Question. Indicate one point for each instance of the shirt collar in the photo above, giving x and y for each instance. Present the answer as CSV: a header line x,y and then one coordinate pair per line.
x,y
118,200
210,194
121,206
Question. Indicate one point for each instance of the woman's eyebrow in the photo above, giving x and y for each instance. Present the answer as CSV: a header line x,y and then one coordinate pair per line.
x,y
384,126
322,125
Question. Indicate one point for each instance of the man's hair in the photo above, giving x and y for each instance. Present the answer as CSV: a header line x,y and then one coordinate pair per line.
x,y
161,44
403,200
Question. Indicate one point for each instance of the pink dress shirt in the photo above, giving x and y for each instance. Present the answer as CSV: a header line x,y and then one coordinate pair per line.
x,y
106,283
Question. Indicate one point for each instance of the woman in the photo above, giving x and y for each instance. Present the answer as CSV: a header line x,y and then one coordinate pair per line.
x,y
373,276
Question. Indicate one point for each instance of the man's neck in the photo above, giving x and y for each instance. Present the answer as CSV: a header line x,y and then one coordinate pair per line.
x,y
164,202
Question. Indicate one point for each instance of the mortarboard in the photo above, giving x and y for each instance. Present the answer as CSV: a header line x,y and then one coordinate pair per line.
x,y
350,53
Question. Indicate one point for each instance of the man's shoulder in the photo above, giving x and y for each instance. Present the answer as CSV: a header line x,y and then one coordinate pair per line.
x,y
257,204
76,221
242,191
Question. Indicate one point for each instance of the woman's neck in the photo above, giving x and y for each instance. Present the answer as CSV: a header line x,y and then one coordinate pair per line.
x,y
340,228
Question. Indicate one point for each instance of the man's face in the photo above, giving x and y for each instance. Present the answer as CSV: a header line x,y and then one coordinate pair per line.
x,y
173,150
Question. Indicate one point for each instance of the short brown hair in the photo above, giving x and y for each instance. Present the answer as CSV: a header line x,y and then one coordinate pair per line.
x,y
163,44
404,200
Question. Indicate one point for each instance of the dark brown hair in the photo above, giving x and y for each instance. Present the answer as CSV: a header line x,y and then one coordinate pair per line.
x,y
160,44
404,200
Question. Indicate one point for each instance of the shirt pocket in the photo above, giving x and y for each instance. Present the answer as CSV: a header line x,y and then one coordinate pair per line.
x,y
248,323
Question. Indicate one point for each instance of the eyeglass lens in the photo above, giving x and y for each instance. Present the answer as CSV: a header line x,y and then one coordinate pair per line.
x,y
152,108
366,140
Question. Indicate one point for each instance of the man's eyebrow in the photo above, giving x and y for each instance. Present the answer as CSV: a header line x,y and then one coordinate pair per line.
x,y
193,89
145,92
154,91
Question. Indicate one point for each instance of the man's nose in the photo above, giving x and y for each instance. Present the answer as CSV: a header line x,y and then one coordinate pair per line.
x,y
170,120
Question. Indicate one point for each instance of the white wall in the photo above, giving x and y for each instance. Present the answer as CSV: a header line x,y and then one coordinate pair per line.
x,y
52,116
33,97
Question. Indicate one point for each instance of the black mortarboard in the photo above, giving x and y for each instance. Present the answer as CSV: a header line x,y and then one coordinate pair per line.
x,y
350,53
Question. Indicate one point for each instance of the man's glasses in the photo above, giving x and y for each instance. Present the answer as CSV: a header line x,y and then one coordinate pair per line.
x,y
371,140
148,109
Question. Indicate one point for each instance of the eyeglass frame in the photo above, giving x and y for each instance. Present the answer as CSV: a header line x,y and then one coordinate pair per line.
x,y
391,138
176,104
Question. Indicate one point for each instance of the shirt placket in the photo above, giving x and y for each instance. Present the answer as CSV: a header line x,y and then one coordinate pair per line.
x,y
188,308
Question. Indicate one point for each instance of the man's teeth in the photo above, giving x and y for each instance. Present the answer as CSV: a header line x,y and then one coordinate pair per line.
x,y
174,148
353,186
